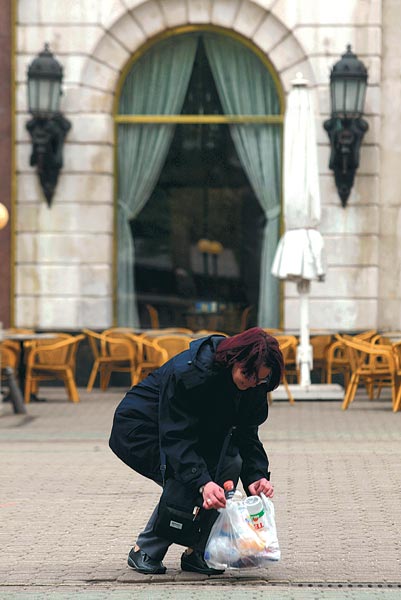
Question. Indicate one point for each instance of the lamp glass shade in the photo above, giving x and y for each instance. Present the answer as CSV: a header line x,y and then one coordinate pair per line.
x,y
348,97
337,96
351,96
44,96
360,100
348,81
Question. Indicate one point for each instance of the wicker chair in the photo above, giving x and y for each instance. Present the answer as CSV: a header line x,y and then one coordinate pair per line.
x,y
173,344
9,356
52,359
112,352
150,355
288,345
291,365
320,345
153,315
372,364
337,359
397,354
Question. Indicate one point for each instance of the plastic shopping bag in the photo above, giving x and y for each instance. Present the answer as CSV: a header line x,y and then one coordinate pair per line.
x,y
269,533
234,543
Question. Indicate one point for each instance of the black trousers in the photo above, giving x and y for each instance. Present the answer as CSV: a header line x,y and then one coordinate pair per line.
x,y
156,547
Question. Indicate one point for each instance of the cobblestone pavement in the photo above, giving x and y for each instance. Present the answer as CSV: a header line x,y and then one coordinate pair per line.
x,y
70,510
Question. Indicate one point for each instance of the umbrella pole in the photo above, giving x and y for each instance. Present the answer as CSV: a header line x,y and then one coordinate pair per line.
x,y
304,351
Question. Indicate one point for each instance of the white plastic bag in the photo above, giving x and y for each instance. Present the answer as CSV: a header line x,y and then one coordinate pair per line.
x,y
233,541
269,533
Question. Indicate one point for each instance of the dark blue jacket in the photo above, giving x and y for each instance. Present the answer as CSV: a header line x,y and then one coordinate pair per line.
x,y
189,404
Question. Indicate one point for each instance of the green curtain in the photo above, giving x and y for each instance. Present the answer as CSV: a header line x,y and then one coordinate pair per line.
x,y
157,84
246,87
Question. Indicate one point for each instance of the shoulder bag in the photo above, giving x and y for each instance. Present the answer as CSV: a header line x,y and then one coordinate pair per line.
x,y
181,518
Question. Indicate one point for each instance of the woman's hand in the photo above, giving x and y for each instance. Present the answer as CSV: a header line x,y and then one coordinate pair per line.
x,y
213,496
262,486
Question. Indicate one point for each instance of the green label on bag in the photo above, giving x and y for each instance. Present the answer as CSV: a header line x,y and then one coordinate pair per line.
x,y
258,515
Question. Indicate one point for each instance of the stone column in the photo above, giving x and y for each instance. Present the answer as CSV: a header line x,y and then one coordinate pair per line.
x,y
5,155
390,139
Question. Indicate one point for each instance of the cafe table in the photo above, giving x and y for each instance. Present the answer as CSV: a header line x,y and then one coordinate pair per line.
x,y
21,338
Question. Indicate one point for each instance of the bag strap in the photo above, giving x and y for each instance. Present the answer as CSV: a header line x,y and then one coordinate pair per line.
x,y
223,452
224,448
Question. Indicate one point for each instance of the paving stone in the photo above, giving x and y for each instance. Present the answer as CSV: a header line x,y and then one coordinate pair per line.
x,y
78,509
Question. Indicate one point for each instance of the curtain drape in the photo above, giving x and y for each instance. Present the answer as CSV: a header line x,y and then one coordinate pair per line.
x,y
156,85
246,87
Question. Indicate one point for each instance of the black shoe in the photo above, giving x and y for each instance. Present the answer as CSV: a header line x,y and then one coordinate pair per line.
x,y
196,563
142,563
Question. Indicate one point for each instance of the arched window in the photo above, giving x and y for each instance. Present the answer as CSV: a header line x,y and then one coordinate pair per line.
x,y
199,182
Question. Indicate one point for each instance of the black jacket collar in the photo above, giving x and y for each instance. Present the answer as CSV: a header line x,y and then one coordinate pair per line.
x,y
201,363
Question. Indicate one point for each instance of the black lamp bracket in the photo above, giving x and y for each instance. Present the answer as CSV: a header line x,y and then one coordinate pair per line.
x,y
345,136
48,136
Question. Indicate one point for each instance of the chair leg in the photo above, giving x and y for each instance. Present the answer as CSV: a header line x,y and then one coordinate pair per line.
x,y
69,383
395,392
92,377
329,375
105,374
370,388
28,386
287,389
134,376
354,390
350,391
140,373
397,403
347,392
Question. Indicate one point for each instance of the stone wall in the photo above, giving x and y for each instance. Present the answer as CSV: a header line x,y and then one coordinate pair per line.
x,y
64,270
389,289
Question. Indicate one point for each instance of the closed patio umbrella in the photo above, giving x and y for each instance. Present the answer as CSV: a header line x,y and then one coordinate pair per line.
x,y
300,253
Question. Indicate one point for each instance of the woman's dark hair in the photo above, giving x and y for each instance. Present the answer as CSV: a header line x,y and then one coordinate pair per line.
x,y
252,349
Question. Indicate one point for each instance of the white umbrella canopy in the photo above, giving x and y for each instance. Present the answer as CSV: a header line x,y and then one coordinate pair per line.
x,y
300,253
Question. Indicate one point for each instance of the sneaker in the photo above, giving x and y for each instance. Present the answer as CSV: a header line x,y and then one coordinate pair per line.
x,y
142,563
196,563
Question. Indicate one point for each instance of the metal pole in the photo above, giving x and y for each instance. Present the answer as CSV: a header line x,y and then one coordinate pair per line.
x,y
304,351
15,392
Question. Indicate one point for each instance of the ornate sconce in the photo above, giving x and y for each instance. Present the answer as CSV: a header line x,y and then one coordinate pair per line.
x,y
346,128
48,127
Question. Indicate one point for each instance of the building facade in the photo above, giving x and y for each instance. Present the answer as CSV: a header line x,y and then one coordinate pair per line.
x,y
61,263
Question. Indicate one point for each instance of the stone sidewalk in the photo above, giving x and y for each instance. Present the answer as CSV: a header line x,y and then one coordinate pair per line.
x,y
70,510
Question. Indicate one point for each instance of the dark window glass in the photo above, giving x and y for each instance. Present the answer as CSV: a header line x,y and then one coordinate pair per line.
x,y
202,194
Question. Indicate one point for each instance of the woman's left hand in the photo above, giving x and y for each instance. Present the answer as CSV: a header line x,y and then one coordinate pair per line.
x,y
262,486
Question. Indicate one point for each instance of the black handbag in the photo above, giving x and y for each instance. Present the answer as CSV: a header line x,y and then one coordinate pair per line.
x,y
180,517
179,514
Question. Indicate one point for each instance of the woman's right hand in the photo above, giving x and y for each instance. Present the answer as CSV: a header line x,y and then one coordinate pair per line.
x,y
213,496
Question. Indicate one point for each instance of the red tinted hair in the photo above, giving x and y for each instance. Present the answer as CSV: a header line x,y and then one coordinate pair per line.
x,y
252,349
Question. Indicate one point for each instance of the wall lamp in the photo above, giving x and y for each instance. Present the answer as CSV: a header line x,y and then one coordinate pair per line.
x,y
48,127
4,216
346,128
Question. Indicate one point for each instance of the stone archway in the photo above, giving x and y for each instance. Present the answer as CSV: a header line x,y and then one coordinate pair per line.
x,y
129,31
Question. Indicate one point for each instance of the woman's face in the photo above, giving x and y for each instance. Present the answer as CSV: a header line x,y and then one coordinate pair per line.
x,y
244,382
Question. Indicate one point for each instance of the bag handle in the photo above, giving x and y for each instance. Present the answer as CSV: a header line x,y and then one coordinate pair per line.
x,y
223,452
